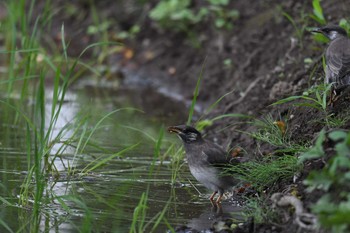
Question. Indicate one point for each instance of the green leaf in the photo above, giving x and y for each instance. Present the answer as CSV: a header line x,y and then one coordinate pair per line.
x,y
342,149
220,22
203,124
6,226
104,161
195,94
233,14
337,135
212,106
324,205
337,162
218,2
320,38
238,115
309,105
316,151
345,24
318,180
318,12
135,29
347,176
318,96
286,100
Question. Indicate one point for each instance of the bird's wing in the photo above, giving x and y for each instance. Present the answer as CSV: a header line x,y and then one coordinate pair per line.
x,y
345,72
216,155
338,61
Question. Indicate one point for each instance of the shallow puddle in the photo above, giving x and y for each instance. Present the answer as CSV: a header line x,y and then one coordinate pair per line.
x,y
109,193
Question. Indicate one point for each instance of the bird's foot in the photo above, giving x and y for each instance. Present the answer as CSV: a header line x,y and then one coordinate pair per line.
x,y
334,97
216,208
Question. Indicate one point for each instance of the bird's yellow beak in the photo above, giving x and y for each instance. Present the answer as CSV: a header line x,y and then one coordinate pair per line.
x,y
317,30
174,129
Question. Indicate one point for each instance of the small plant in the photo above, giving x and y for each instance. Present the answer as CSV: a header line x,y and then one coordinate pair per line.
x,y
300,27
268,131
180,16
176,14
315,97
131,33
276,134
223,17
318,101
333,208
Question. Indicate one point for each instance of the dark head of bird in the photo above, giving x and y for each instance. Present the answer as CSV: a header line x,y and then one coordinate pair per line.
x,y
188,134
331,31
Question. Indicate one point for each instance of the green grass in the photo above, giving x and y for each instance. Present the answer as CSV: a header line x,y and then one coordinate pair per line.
x,y
318,12
37,137
195,94
268,131
315,97
299,27
267,172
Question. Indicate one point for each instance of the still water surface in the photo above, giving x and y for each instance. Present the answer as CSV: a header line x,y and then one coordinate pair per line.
x,y
110,192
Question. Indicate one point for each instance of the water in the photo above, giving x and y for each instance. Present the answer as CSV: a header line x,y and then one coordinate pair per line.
x,y
107,195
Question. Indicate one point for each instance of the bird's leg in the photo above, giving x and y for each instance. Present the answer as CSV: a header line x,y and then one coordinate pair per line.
x,y
211,198
333,97
330,101
336,98
219,198
214,206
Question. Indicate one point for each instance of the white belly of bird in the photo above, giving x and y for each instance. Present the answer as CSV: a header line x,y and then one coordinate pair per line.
x,y
207,176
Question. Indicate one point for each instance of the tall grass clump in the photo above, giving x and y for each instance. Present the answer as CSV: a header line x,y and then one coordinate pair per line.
x,y
22,50
267,172
141,222
30,67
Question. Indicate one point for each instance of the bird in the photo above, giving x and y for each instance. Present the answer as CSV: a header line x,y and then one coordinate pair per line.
x,y
206,160
337,58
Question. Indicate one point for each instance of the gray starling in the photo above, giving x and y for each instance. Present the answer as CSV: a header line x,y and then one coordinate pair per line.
x,y
337,57
206,160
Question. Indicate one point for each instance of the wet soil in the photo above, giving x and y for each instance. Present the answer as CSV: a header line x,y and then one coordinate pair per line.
x,y
267,64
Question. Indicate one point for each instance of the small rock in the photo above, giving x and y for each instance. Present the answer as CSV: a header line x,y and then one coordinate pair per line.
x,y
279,89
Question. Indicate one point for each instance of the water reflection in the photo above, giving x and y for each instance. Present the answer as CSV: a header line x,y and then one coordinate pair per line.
x,y
213,215
69,111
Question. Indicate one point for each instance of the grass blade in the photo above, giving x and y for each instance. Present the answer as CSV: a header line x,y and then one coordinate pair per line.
x,y
195,94
105,160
